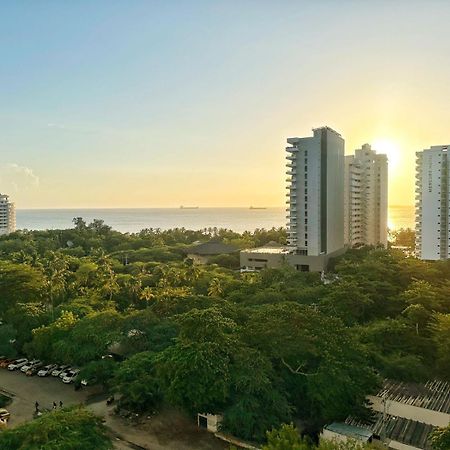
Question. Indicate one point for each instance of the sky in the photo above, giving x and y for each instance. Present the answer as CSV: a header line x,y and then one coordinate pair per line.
x,y
167,103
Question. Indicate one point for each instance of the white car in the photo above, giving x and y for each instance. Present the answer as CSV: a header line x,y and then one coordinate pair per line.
x,y
47,370
65,372
29,365
56,372
70,376
17,364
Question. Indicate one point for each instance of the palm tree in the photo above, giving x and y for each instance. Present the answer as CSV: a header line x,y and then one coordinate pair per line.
x,y
215,288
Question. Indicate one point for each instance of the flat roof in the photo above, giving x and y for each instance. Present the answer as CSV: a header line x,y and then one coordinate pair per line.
x,y
268,250
350,430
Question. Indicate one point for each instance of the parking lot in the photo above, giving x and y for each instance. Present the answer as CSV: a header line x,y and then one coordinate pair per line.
x,y
170,430
25,391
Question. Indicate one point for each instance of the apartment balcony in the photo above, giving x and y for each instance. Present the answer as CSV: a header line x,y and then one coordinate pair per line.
x,y
291,165
291,158
291,172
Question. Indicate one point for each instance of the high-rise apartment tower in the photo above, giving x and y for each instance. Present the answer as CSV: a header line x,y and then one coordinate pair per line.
x,y
7,215
366,198
315,166
433,203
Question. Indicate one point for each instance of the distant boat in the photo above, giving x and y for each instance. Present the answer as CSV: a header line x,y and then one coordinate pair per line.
x,y
188,207
258,207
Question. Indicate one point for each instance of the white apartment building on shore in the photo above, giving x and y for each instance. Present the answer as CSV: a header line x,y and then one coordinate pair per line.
x,y
7,215
432,203
366,198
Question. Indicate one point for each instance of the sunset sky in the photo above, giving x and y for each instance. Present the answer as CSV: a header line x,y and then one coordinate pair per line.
x,y
162,103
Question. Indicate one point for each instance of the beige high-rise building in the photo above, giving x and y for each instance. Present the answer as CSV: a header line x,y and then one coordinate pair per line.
x,y
366,198
7,215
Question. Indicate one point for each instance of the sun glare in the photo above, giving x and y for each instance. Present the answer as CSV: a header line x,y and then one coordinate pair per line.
x,y
390,148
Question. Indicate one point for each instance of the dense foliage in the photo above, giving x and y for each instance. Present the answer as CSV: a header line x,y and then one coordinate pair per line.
x,y
68,429
260,348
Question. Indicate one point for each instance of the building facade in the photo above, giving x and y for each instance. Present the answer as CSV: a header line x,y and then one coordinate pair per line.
x,y
7,215
366,198
432,203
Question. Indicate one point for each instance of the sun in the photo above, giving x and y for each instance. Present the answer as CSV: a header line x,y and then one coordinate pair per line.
x,y
390,148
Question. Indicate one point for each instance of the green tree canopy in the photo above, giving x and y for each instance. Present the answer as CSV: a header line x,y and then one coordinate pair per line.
x,y
69,429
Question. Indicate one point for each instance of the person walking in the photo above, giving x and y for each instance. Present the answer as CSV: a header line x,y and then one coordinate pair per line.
x,y
60,404
54,405
36,406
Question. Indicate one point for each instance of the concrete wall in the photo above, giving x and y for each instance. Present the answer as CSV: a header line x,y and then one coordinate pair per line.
x,y
401,446
394,408
258,260
332,436
213,421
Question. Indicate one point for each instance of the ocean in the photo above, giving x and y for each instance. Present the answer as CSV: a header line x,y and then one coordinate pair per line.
x,y
133,220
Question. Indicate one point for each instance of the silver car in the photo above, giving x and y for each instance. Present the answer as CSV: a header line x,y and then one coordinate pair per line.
x,y
47,370
30,364
57,370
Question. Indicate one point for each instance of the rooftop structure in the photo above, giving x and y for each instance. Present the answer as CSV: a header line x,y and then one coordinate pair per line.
x,y
201,253
433,395
343,431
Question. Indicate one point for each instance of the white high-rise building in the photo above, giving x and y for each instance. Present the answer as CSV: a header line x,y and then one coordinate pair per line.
x,y
433,203
7,215
366,198
315,198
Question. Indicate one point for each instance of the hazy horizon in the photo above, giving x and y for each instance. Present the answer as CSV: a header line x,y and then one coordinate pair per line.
x,y
113,105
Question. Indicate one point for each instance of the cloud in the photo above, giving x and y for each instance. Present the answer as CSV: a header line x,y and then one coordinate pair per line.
x,y
16,178
55,125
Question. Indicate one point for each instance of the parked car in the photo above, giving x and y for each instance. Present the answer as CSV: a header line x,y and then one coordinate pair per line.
x,y
29,365
88,381
6,362
57,371
70,376
33,370
46,370
17,364
4,414
65,372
